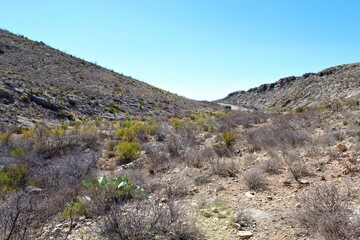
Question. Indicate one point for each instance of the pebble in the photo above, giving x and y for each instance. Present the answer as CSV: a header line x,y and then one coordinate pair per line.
x,y
245,234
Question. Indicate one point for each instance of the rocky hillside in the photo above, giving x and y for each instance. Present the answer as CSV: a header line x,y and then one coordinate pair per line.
x,y
39,82
311,89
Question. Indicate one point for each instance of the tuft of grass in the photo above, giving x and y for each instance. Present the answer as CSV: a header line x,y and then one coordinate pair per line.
x,y
18,152
229,137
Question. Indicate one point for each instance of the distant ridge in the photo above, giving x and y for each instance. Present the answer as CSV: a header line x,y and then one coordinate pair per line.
x,y
310,89
39,82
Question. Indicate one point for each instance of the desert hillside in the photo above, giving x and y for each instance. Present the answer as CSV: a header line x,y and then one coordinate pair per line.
x,y
39,82
309,90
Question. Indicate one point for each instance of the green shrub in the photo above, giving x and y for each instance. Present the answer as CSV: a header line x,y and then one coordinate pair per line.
x,y
114,190
14,178
113,108
18,152
178,123
128,150
229,137
6,138
111,145
126,134
24,97
76,209
299,109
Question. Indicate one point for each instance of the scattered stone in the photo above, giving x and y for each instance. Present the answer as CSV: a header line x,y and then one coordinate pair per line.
x,y
255,214
219,188
234,225
250,194
342,147
221,215
303,182
245,234
33,190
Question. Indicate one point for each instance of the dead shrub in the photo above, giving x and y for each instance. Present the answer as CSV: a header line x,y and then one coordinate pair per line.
x,y
158,163
16,217
148,219
325,210
350,165
175,146
199,158
279,135
188,134
271,165
255,179
163,131
245,119
296,166
224,167
223,151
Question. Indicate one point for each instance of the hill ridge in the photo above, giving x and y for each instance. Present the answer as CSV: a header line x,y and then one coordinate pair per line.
x,y
40,82
310,89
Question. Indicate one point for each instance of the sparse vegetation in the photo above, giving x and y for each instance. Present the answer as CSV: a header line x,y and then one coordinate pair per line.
x,y
325,209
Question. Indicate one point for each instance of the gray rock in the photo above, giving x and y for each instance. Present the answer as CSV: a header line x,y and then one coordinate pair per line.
x,y
6,96
245,234
255,214
33,190
46,103
25,122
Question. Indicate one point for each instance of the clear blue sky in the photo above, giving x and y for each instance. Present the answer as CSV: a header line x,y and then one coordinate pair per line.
x,y
201,49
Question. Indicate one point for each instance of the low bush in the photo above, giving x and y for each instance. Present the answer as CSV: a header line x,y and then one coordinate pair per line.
x,y
296,165
276,137
271,164
163,131
18,152
326,210
13,179
175,146
178,123
198,159
148,219
224,167
255,179
128,151
6,138
158,162
223,151
103,194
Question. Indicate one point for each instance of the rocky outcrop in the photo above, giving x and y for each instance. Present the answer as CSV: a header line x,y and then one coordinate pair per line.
x,y
46,103
6,96
310,89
